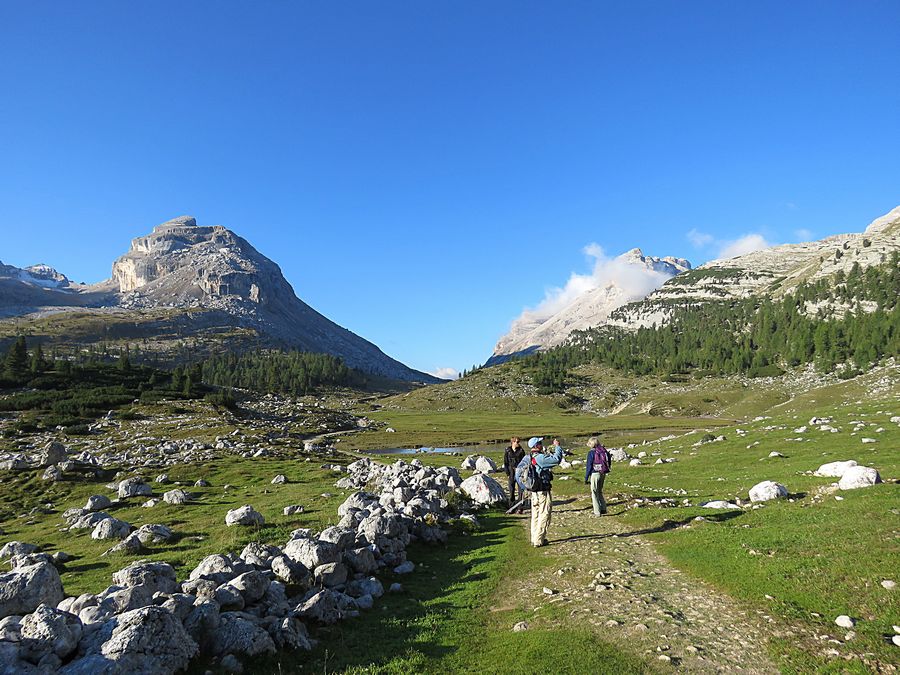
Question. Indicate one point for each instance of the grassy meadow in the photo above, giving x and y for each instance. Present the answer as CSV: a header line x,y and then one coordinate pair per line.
x,y
800,562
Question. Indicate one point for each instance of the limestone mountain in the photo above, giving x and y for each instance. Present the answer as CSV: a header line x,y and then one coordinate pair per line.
x,y
635,274
771,272
203,286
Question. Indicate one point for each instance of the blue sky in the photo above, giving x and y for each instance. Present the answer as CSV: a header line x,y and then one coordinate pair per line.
x,y
423,171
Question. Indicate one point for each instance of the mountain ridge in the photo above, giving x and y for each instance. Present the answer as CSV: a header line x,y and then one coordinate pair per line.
x,y
218,278
637,275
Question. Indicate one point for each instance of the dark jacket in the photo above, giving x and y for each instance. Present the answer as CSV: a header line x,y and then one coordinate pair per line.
x,y
511,459
589,465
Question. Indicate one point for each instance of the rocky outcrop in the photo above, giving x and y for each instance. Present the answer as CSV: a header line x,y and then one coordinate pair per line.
x,y
231,607
772,272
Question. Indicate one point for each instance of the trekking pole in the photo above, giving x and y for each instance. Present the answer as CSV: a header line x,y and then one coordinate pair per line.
x,y
516,506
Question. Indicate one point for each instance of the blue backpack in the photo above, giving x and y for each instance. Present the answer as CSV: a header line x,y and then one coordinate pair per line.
x,y
530,478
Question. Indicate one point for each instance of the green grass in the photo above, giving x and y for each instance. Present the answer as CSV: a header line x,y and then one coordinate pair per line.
x,y
419,428
200,527
447,619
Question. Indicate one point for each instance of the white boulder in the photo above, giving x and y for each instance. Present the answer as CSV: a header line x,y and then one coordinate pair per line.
x,y
767,490
483,490
835,469
859,477
244,515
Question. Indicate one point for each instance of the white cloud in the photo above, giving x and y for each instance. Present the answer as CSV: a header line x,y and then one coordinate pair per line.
x,y
445,373
803,234
743,245
635,280
699,239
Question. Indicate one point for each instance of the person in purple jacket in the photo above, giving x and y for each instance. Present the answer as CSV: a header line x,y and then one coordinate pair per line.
x,y
596,468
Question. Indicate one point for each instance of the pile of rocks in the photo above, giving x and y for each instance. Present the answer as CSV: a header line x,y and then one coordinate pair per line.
x,y
230,607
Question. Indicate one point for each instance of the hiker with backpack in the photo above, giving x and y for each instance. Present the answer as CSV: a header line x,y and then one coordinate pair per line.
x,y
533,474
597,466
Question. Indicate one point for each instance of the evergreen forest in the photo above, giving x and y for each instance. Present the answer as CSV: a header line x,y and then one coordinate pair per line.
x,y
845,323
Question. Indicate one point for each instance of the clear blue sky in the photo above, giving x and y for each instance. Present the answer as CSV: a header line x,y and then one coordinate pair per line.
x,y
424,170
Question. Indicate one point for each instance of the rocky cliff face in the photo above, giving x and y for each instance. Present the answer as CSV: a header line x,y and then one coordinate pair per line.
x,y
183,265
533,332
773,271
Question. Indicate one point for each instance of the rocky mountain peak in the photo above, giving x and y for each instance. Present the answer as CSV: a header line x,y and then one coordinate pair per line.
x,y
628,277
886,224
192,265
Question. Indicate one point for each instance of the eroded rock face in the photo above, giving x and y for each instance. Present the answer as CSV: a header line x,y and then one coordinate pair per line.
x,y
146,641
49,631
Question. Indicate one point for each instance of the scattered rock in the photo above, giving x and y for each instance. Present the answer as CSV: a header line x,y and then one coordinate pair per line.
x,y
767,490
245,515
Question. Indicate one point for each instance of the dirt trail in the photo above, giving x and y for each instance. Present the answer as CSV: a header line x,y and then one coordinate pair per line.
x,y
610,578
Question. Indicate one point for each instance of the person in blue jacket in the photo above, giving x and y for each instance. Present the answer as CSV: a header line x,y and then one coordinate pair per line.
x,y
596,468
541,499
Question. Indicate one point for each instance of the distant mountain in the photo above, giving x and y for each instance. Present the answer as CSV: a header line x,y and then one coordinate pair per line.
x,y
771,272
184,282
532,332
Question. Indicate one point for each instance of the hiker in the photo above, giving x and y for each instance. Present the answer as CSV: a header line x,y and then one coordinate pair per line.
x,y
597,466
541,499
511,458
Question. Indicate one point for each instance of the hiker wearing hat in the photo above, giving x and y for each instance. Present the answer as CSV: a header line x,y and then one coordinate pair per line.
x,y
596,468
541,500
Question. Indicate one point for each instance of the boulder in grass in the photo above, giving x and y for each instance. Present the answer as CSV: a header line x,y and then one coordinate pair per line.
x,y
238,635
835,469
485,465
767,490
176,496
292,510
312,552
483,490
98,503
468,464
859,477
134,487
12,549
245,515
111,528
719,504
618,454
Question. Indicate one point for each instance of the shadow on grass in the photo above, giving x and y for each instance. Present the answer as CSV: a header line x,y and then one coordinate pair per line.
x,y
430,620
664,526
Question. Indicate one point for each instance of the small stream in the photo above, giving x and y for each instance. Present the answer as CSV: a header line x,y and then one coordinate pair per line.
x,y
460,451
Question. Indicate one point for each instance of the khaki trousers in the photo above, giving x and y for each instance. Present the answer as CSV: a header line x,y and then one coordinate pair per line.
x,y
541,505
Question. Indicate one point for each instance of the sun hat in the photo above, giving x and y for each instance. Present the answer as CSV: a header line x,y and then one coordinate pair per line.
x,y
534,441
